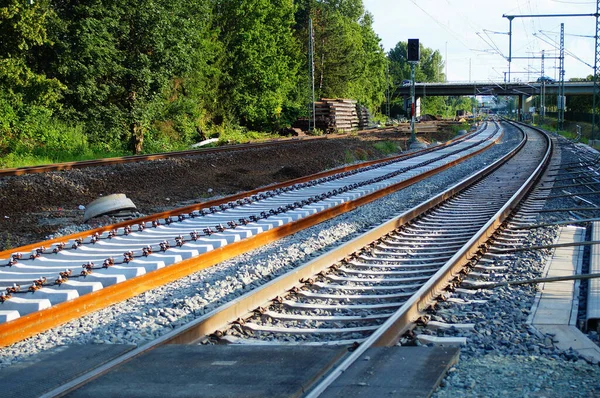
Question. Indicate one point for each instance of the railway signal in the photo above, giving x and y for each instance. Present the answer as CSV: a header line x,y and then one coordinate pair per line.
x,y
413,54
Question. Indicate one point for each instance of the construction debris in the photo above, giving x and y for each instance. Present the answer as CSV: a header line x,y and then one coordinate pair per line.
x,y
115,204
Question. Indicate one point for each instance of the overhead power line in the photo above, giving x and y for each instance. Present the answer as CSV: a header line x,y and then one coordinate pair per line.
x,y
493,31
573,2
568,34
492,46
555,45
446,28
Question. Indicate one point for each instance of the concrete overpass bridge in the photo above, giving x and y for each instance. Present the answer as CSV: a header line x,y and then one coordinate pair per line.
x,y
523,91
493,88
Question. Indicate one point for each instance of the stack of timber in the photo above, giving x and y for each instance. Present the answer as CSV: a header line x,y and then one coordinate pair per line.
x,y
341,112
364,117
337,115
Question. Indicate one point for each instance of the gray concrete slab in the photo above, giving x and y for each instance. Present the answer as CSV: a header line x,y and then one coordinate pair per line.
x,y
395,372
216,371
593,296
555,309
25,305
48,370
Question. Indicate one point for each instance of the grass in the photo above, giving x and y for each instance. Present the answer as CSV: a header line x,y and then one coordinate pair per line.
x,y
38,157
5,241
386,147
239,135
14,160
570,130
356,155
349,157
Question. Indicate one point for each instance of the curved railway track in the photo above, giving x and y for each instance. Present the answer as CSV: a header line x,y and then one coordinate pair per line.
x,y
370,291
58,281
352,298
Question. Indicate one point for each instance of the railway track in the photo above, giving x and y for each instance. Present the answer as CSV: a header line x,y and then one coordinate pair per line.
x,y
58,281
345,295
372,290
64,279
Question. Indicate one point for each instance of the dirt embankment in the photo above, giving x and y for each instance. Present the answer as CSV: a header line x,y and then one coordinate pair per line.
x,y
37,205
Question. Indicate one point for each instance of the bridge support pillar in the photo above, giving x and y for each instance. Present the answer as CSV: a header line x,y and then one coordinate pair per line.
x,y
526,102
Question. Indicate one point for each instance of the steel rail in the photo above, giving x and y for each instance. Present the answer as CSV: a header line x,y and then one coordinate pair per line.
x,y
198,329
39,321
230,198
394,327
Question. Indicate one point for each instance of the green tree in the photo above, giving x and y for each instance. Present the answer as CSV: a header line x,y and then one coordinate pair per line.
x,y
262,59
348,59
369,83
27,94
120,60
23,31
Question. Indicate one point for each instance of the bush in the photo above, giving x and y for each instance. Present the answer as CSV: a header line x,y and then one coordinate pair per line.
x,y
315,132
233,134
32,135
457,127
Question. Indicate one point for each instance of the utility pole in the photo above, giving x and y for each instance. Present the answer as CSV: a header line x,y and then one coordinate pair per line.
x,y
561,87
423,110
542,93
447,60
596,95
387,93
469,70
510,19
311,67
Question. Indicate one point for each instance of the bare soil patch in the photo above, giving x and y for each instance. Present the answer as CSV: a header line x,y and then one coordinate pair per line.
x,y
37,205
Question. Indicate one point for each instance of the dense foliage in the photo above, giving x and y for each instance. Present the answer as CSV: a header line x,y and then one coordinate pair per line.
x,y
576,103
148,75
83,78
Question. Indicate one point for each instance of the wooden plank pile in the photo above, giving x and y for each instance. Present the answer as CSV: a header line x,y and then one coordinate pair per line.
x,y
337,115
340,112
364,117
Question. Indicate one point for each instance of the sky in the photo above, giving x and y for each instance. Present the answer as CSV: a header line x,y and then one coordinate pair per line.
x,y
472,36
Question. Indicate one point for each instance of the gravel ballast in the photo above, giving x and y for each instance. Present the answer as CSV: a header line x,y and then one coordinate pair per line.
x,y
520,376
